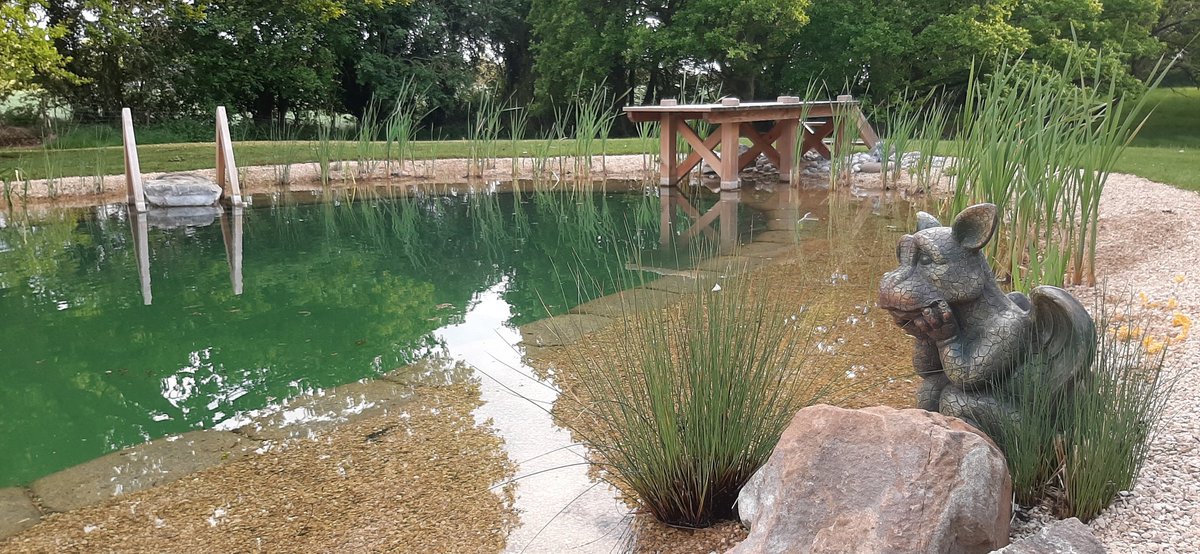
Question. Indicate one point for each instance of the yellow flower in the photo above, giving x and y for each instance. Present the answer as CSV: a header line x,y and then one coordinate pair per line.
x,y
1179,278
1181,320
1172,303
1154,346
1143,298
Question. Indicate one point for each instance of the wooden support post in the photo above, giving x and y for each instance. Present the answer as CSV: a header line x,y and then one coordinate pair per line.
x,y
666,150
227,173
231,231
133,170
141,248
787,148
730,136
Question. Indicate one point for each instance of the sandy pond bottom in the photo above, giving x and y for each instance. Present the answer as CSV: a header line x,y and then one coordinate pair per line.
x,y
478,464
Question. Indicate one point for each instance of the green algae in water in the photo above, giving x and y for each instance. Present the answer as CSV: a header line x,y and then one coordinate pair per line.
x,y
334,291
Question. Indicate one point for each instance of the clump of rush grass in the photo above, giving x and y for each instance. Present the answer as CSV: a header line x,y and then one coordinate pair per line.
x,y
1078,448
693,399
1112,419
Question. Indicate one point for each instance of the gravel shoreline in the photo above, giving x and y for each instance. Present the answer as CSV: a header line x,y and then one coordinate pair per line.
x,y
1149,244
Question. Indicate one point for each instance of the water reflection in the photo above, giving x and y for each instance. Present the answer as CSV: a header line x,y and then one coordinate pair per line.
x,y
561,508
172,218
723,215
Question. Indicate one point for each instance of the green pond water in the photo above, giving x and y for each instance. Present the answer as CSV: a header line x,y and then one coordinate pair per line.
x,y
333,290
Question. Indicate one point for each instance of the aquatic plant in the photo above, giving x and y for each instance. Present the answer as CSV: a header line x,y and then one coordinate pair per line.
x,y
518,120
400,129
484,131
1040,144
691,400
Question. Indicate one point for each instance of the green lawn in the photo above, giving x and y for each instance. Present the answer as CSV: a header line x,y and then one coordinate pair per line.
x,y
1166,150
39,163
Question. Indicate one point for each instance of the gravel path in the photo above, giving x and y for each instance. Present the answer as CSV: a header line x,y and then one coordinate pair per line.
x,y
1150,244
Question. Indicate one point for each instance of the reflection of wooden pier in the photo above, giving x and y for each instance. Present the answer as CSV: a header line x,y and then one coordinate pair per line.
x,y
788,116
231,232
723,216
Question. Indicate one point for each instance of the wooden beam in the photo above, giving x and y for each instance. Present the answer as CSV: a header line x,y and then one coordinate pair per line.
x,y
694,158
227,172
133,169
699,146
666,149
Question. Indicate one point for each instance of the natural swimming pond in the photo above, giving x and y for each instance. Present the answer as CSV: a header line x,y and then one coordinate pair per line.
x,y
333,289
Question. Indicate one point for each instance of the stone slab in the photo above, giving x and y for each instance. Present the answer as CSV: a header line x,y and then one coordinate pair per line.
x,y
1067,536
305,417
732,265
148,465
784,237
766,250
17,512
562,329
627,302
685,284
431,371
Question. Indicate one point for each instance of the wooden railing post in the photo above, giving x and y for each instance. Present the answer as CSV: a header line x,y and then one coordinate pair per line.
x,y
227,173
133,170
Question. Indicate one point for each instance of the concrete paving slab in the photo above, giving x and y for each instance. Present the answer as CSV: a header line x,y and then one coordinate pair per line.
x,y
627,302
17,512
685,284
562,329
305,417
431,372
732,265
785,237
139,467
766,250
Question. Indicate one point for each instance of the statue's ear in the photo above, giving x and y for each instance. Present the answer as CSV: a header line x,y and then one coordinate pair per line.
x,y
926,221
974,227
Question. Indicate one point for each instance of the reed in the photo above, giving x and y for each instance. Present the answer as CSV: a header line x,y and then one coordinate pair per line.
x,y
1040,144
518,121
485,115
403,123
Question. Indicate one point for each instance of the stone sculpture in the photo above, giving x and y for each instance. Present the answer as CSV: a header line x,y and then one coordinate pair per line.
x,y
972,339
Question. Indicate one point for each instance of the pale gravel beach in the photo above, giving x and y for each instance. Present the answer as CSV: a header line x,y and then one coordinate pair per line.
x,y
1148,251
1149,243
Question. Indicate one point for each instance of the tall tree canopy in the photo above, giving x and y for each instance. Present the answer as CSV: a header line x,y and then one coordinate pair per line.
x,y
26,45
268,59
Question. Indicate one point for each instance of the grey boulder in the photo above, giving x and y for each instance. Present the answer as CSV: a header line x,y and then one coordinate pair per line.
x,y
181,189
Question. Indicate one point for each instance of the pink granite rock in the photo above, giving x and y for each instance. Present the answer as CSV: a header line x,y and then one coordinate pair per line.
x,y
877,480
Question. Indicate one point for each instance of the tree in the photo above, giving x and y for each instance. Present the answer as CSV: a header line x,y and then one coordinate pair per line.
x,y
26,46
1178,28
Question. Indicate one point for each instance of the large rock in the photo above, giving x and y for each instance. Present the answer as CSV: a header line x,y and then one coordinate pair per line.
x,y
1068,536
181,189
877,480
